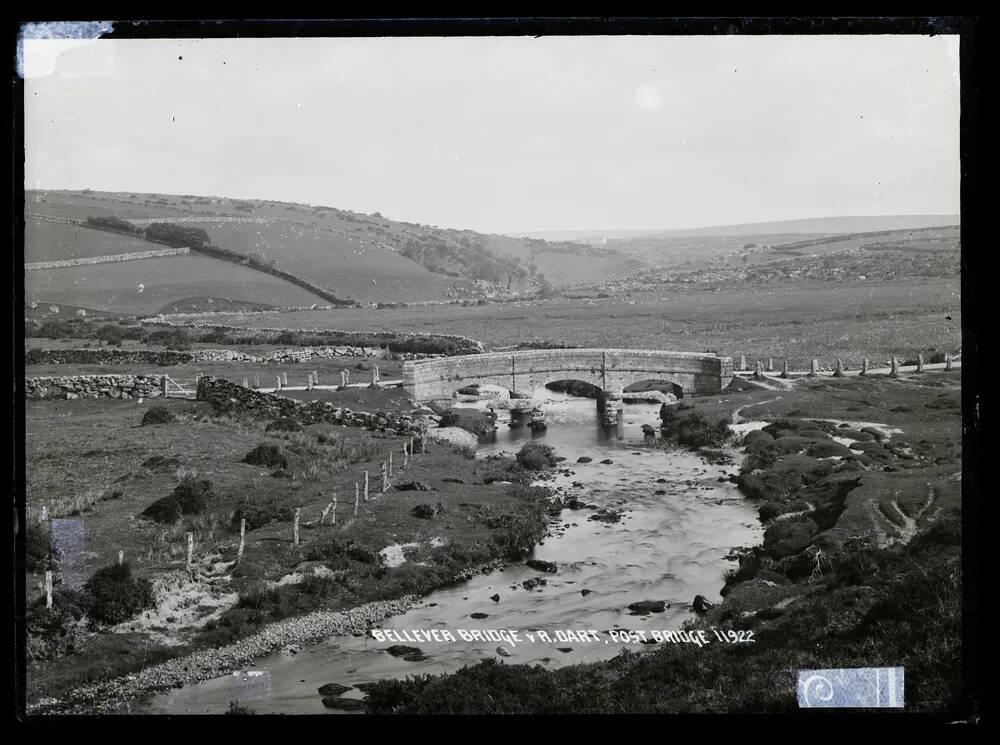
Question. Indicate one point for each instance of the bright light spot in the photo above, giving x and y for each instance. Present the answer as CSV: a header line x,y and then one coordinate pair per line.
x,y
647,98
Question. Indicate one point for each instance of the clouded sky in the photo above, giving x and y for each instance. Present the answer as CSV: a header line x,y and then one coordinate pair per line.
x,y
510,134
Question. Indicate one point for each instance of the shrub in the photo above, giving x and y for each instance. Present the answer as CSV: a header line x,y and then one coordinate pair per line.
x,y
192,495
266,455
110,334
283,424
534,456
692,429
238,709
54,632
165,510
156,415
113,595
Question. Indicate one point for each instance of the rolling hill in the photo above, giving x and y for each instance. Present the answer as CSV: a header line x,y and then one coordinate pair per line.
x,y
351,256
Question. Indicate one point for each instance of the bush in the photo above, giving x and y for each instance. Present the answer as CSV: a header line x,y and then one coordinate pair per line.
x,y
165,510
58,631
692,429
238,709
534,456
259,596
266,455
156,415
192,495
110,334
113,595
283,424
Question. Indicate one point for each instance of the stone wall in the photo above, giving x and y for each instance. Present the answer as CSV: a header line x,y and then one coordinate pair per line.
x,y
108,259
228,397
94,386
608,369
115,356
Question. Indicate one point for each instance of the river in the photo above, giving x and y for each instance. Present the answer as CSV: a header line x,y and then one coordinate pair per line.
x,y
668,546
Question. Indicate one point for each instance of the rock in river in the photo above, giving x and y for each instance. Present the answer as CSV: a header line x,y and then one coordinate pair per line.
x,y
584,459
644,607
333,689
541,566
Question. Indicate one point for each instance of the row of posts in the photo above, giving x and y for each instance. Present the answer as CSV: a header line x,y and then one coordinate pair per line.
x,y
838,372
312,379
360,494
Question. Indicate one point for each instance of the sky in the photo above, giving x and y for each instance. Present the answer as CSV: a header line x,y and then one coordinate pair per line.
x,y
509,134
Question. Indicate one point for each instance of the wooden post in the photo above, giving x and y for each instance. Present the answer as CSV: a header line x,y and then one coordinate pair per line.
x,y
243,539
347,376
385,477
411,448
326,511
366,486
48,590
284,378
947,365
894,367
121,557
277,382
190,557
315,378
390,464
333,514
355,500
920,363
45,513
406,457
256,381
839,371
864,366
295,527
784,368
164,391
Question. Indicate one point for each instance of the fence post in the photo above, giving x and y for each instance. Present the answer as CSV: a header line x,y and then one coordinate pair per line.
x,y
920,363
243,537
784,368
309,382
390,464
770,364
366,486
121,557
411,448
894,367
758,373
45,513
277,382
333,518
48,590
813,368
164,390
347,376
256,381
355,500
864,366
315,378
385,477
406,457
742,363
190,555
246,383
284,378
947,362
295,527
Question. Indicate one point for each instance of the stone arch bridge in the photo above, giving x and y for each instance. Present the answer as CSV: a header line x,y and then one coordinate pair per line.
x,y
611,370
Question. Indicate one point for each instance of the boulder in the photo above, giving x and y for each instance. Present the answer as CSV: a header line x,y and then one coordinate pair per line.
x,y
541,566
333,689
645,607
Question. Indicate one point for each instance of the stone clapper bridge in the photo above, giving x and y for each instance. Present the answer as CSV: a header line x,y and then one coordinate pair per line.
x,y
611,370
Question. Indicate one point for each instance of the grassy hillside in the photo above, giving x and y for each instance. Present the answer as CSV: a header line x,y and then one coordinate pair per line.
x,y
358,256
149,286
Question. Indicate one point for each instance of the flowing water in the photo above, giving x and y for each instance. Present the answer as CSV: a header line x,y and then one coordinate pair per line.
x,y
668,546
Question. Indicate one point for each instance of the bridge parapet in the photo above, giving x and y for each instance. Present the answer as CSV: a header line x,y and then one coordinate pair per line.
x,y
525,371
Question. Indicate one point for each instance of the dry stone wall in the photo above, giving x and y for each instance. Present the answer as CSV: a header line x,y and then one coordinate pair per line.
x,y
226,396
94,386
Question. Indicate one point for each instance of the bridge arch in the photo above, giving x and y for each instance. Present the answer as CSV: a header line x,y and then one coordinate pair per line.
x,y
611,370
656,384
